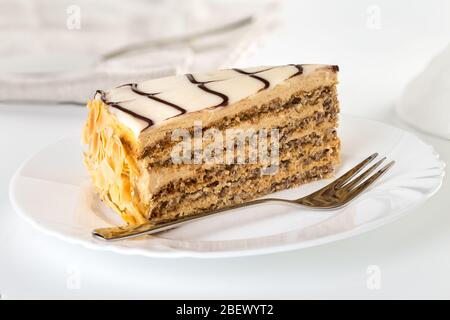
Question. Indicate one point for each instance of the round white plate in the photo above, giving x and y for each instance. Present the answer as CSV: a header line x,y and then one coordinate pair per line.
x,y
52,191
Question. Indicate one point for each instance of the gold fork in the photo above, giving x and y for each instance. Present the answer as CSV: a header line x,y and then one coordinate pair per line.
x,y
334,195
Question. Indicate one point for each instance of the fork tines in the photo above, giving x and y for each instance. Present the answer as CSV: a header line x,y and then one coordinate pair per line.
x,y
348,181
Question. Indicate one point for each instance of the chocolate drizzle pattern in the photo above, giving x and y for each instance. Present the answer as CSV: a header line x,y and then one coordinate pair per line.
x,y
116,105
254,76
169,94
154,97
300,70
202,85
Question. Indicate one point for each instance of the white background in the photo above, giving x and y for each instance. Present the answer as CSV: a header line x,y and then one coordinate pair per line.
x,y
376,61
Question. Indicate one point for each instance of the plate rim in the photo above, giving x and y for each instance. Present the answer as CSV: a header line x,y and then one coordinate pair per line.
x,y
175,253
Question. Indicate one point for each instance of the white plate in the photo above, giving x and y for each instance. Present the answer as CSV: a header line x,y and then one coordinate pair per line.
x,y
52,191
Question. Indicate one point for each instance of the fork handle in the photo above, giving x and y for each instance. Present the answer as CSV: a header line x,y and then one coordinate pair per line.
x,y
126,232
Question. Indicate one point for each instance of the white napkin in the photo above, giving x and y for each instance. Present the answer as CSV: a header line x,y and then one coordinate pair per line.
x,y
425,103
50,50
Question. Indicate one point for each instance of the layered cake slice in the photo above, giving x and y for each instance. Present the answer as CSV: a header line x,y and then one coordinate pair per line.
x,y
181,145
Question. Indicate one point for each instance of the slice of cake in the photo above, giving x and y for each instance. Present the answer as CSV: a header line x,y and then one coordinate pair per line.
x,y
181,145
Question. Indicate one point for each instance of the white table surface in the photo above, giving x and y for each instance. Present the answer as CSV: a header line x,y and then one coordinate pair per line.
x,y
412,254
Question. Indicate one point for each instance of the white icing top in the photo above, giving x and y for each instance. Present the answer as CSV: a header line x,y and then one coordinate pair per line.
x,y
142,105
